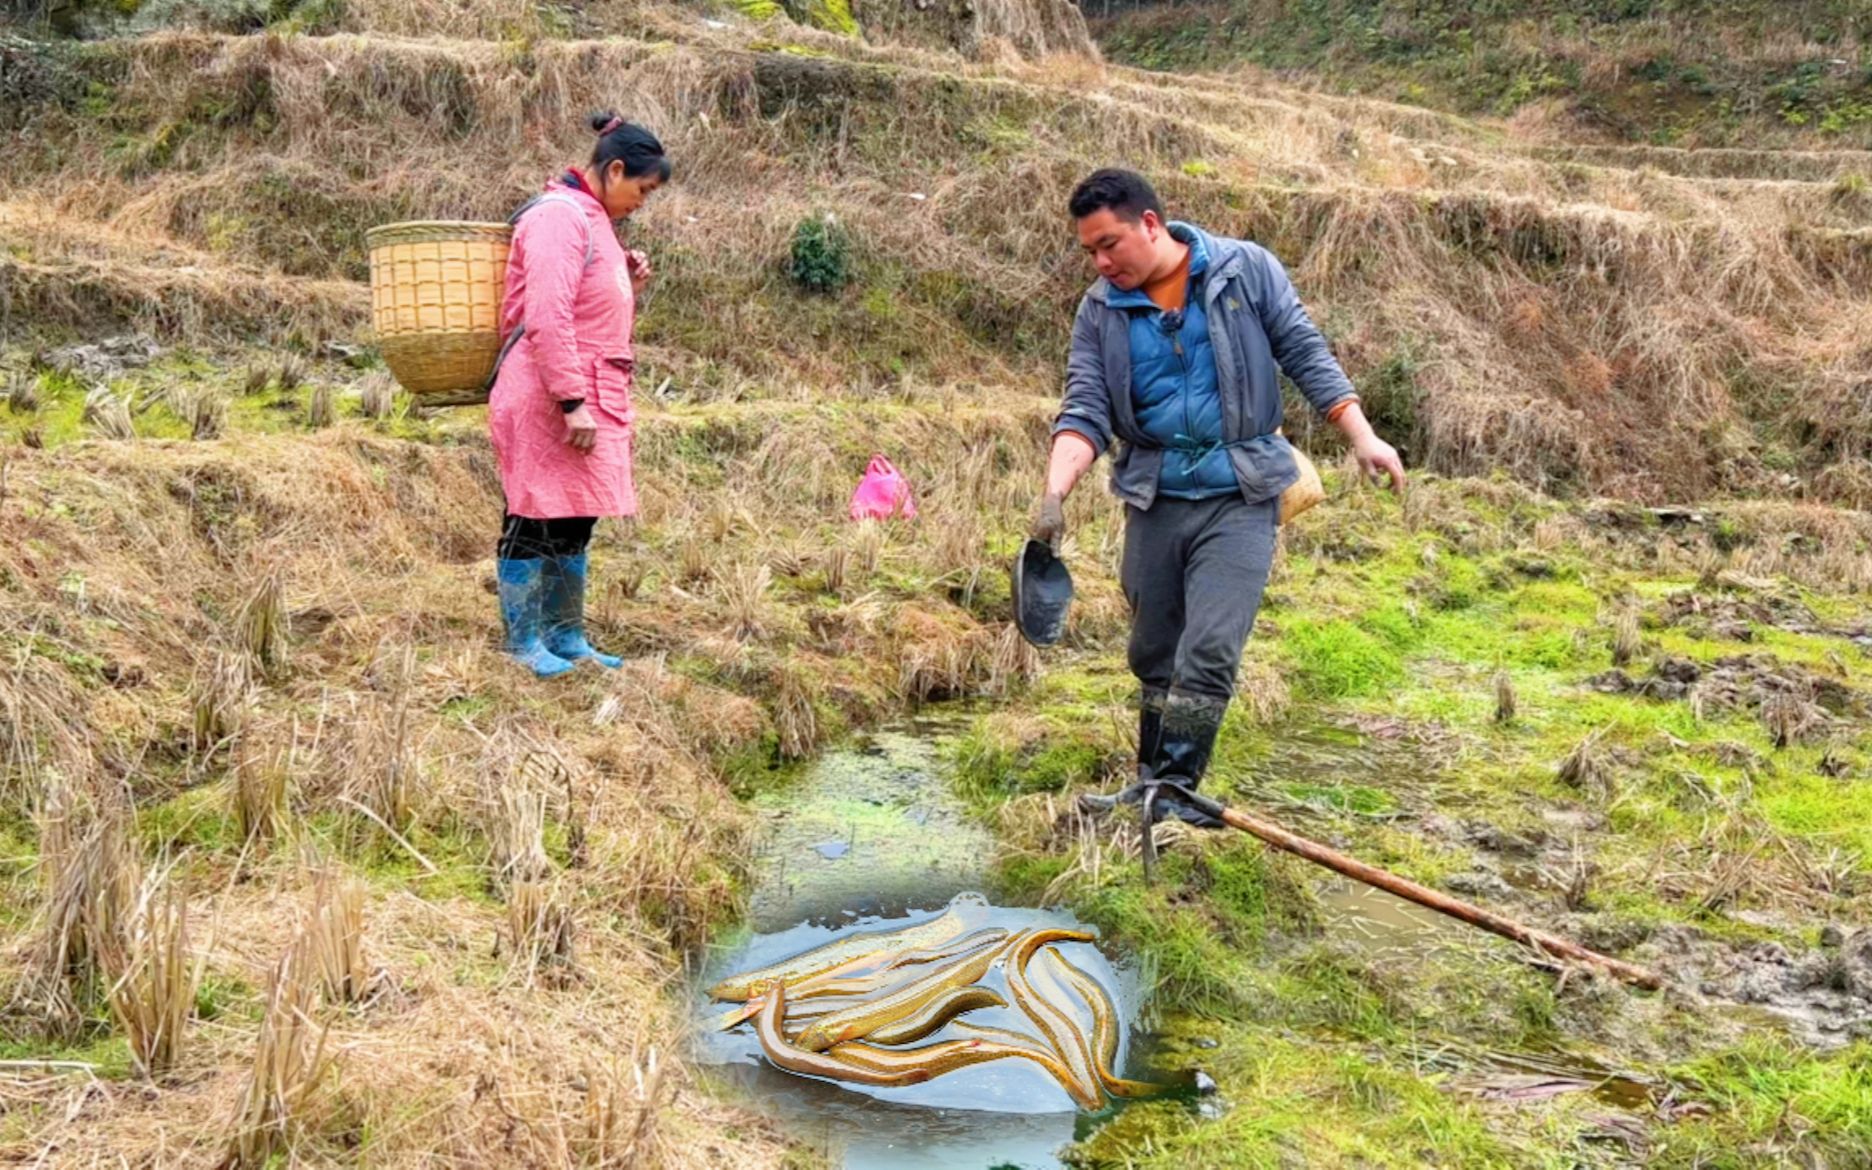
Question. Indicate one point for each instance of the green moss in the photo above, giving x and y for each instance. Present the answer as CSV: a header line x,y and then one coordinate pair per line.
x,y
830,15
199,818
1337,659
756,9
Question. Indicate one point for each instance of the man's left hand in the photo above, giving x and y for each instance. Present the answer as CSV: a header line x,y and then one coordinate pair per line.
x,y
1378,459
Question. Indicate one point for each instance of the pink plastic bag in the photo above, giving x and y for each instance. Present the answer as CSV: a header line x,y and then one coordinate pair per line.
x,y
882,493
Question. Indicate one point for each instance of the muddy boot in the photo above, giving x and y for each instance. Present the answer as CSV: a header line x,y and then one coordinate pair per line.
x,y
565,612
1190,723
1150,744
522,598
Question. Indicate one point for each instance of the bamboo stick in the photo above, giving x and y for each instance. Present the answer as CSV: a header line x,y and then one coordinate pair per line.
x,y
1549,944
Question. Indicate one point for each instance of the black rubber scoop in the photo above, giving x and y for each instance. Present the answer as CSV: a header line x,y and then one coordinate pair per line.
x,y
1043,591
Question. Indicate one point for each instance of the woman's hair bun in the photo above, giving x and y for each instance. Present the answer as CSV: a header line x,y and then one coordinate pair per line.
x,y
604,120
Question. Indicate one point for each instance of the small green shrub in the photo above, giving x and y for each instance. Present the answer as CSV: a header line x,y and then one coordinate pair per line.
x,y
822,259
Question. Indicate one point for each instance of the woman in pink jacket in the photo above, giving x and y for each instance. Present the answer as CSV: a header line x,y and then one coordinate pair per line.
x,y
560,410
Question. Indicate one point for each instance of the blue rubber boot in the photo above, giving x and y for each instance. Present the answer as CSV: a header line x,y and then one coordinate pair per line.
x,y
522,601
565,612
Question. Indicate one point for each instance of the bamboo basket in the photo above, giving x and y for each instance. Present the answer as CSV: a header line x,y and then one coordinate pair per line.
x,y
435,304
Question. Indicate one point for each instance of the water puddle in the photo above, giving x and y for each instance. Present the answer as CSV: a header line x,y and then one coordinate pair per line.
x,y
871,831
1377,923
870,839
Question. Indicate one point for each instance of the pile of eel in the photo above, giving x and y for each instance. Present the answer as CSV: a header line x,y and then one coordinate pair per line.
x,y
854,1009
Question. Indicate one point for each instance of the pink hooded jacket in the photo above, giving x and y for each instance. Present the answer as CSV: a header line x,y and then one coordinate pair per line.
x,y
577,344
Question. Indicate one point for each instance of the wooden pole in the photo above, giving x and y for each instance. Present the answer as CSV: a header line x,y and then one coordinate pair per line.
x,y
1442,903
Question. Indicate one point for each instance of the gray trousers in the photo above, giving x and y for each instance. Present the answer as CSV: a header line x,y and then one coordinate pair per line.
x,y
1194,571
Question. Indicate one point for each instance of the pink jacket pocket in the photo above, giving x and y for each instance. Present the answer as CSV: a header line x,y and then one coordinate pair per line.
x,y
612,379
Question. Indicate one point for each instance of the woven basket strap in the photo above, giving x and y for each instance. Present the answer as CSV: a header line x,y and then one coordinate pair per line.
x,y
519,330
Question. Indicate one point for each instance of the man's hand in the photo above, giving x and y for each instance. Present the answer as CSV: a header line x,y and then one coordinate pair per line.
x,y
581,428
1378,459
1050,520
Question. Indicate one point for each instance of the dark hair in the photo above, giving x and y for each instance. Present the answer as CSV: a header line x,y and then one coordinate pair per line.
x,y
1127,193
630,144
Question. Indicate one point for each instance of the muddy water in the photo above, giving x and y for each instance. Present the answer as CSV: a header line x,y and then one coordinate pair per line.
x,y
866,838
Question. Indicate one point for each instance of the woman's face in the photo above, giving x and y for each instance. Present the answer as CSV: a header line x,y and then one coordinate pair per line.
x,y
622,195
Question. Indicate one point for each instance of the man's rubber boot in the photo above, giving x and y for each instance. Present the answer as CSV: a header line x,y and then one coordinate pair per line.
x,y
522,598
1150,746
565,612
1190,723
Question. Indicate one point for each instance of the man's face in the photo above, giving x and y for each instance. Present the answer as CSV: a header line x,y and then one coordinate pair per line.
x,y
1124,252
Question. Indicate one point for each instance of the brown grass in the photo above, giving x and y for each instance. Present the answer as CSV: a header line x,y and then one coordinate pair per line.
x,y
261,781
221,692
322,407
1587,769
290,1065
1505,702
108,414
1627,642
541,933
153,974
334,939
377,395
265,629
91,874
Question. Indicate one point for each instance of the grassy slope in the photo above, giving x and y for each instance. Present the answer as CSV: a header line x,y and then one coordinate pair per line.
x,y
1557,319
1669,72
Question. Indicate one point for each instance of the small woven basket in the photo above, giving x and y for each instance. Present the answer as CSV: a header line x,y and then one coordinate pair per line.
x,y
435,303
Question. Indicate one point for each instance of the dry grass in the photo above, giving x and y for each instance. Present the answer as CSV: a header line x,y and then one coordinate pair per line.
x,y
322,407
744,590
377,395
796,720
109,414
1587,769
623,1098
221,693
516,834
385,767
22,394
290,1064
1627,643
1506,704
334,939
92,876
206,413
541,934
261,781
265,628
153,974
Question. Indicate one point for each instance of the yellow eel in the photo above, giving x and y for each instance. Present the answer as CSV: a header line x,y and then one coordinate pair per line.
x,y
850,988
820,1064
1104,1022
934,1014
934,1060
894,972
1038,1051
861,1019
849,953
1054,1025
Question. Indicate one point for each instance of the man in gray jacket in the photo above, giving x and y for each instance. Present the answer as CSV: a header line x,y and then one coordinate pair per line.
x,y
1174,357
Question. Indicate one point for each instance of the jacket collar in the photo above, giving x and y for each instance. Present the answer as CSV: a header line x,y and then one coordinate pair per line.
x,y
1204,251
570,183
